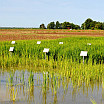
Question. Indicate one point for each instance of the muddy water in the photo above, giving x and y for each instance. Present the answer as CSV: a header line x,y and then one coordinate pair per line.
x,y
27,87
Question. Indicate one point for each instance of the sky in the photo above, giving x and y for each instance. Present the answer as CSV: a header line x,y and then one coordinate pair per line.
x,y
32,13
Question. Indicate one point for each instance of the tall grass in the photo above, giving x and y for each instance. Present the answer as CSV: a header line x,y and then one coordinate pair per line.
x,y
31,54
63,64
81,78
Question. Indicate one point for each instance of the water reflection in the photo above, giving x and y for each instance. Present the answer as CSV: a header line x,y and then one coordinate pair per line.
x,y
48,87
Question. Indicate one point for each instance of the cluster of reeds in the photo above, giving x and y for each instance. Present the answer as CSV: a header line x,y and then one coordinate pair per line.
x,y
63,64
81,78
29,53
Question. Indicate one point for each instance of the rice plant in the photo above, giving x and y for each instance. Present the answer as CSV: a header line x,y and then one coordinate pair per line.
x,y
60,56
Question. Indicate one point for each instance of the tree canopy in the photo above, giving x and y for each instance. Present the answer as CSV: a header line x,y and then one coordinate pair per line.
x,y
64,25
88,24
93,25
42,26
51,25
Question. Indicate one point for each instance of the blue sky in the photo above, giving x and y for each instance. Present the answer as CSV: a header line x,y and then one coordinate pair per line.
x,y
32,13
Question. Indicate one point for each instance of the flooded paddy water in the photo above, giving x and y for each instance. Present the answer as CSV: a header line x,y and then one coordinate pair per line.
x,y
47,87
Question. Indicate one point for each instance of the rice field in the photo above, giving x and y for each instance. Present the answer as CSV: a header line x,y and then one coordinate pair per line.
x,y
54,87
31,53
62,77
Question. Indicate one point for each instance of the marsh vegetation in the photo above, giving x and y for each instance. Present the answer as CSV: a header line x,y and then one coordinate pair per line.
x,y
60,78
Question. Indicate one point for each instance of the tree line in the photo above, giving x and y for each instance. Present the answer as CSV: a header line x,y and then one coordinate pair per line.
x,y
88,24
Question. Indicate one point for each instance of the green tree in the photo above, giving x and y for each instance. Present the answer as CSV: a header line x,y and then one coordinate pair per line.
x,y
76,27
92,25
42,26
87,24
51,25
83,26
98,25
57,25
66,25
103,26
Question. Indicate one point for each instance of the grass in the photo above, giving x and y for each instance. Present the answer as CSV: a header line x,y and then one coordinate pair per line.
x,y
93,101
52,80
30,53
63,58
63,64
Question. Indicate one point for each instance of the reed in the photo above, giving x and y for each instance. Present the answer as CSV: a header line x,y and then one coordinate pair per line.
x,y
52,80
93,101
29,53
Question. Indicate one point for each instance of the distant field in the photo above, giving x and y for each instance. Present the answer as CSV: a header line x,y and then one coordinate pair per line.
x,y
30,34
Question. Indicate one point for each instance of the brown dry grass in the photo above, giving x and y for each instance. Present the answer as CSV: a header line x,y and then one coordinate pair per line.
x,y
28,34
